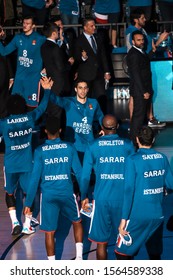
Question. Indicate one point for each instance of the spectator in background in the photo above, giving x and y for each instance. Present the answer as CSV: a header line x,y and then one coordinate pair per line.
x,y
166,12
138,22
111,9
38,9
7,14
145,5
69,12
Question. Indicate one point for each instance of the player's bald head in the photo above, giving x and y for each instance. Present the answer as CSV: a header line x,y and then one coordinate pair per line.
x,y
109,123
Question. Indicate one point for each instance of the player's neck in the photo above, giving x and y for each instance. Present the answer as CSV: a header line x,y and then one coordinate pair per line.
x,y
81,100
52,137
28,32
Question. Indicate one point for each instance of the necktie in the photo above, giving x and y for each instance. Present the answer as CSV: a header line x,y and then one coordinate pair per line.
x,y
93,44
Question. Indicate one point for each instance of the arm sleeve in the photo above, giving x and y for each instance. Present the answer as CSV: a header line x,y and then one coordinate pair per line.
x,y
129,188
1,128
60,101
36,113
98,116
168,176
135,72
128,41
35,179
5,50
86,172
76,166
59,61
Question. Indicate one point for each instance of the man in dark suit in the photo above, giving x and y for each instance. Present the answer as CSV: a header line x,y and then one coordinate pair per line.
x,y
66,43
54,63
91,61
139,69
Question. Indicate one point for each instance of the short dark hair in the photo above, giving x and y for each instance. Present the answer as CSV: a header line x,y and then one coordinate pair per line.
x,y
86,20
80,81
146,136
29,17
55,18
53,125
49,28
16,105
136,14
136,32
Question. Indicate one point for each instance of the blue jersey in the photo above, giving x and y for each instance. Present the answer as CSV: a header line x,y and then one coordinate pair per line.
x,y
53,163
29,64
79,119
147,174
17,134
141,3
69,7
147,38
107,155
38,4
107,6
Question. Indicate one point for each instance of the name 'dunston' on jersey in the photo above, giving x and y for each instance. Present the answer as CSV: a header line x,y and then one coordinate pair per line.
x,y
20,133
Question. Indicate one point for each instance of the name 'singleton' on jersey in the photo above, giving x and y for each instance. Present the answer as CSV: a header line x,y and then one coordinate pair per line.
x,y
111,143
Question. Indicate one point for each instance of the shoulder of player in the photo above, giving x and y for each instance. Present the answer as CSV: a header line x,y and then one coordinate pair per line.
x,y
92,101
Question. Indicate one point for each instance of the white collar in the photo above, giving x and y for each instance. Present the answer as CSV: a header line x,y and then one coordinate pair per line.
x,y
138,49
49,39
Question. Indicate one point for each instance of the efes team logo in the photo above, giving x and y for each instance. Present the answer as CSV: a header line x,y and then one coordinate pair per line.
x,y
33,42
90,106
